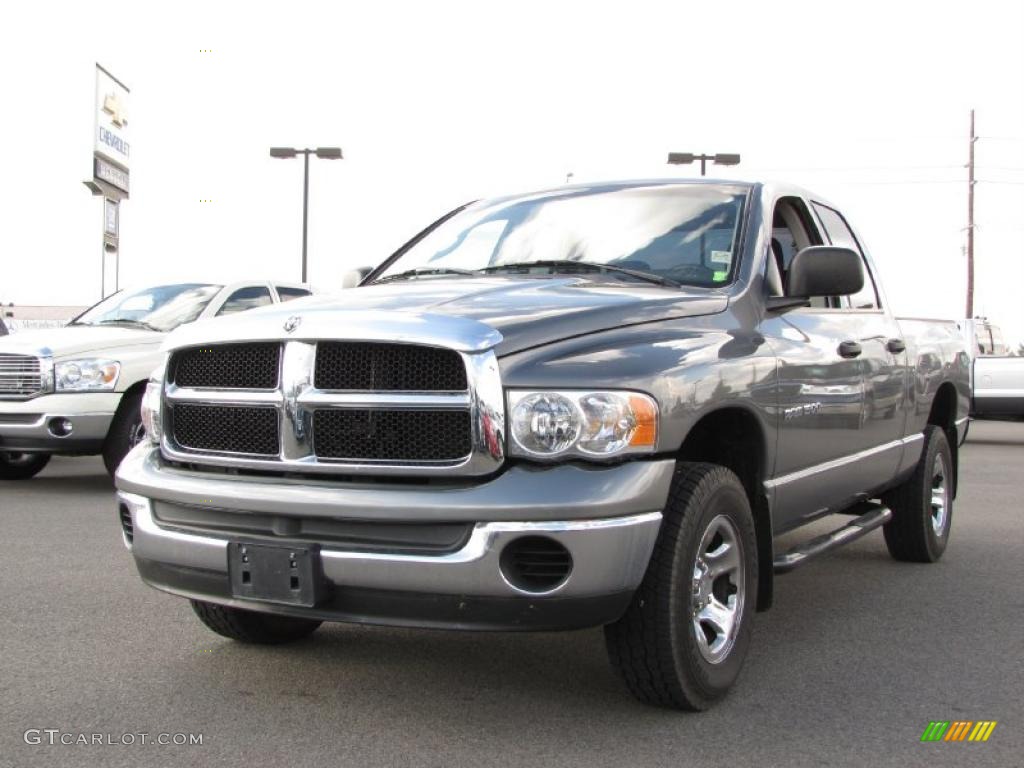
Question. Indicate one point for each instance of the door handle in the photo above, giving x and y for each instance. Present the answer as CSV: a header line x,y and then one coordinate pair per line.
x,y
896,346
849,349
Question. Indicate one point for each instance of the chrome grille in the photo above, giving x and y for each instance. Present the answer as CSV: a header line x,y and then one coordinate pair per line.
x,y
20,375
414,414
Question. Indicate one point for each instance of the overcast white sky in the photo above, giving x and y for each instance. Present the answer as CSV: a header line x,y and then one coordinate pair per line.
x,y
436,103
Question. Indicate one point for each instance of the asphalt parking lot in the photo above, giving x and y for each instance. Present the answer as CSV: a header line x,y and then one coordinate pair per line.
x,y
857,656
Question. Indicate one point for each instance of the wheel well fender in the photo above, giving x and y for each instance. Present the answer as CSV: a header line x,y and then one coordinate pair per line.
x,y
733,437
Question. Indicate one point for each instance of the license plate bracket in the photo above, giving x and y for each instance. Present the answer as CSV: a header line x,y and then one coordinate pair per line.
x,y
275,573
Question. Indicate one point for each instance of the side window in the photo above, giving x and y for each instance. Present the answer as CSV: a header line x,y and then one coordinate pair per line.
x,y
792,230
838,233
287,294
245,298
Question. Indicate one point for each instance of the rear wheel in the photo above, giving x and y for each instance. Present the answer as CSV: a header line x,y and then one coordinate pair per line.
x,y
922,508
682,641
252,626
21,466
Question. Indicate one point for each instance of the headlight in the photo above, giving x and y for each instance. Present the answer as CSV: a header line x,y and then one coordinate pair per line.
x,y
89,374
586,424
151,410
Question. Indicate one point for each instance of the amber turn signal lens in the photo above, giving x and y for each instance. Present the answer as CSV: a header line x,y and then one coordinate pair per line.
x,y
646,415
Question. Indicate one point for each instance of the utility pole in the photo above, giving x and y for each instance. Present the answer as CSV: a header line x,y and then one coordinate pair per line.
x,y
305,214
970,223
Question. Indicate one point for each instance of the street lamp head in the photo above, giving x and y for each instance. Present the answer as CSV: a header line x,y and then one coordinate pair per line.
x,y
282,152
329,153
727,159
680,158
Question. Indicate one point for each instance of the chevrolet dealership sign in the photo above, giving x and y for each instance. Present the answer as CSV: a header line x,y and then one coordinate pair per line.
x,y
111,148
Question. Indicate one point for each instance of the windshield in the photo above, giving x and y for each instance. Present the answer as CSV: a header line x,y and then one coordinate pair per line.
x,y
161,308
685,233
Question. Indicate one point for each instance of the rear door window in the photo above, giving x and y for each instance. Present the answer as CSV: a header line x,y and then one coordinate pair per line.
x,y
287,293
249,297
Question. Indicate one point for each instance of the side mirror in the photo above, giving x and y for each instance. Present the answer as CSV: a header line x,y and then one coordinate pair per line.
x,y
354,277
824,270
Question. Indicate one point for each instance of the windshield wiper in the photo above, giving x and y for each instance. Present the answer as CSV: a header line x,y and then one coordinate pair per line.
x,y
127,321
417,271
568,265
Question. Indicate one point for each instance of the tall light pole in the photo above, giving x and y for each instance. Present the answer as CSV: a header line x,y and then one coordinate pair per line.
x,y
324,153
970,222
686,158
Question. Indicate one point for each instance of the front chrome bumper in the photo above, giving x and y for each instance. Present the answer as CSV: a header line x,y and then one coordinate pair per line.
x,y
608,519
26,425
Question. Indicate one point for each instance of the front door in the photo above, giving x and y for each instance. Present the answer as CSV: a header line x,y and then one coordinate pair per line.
x,y
841,380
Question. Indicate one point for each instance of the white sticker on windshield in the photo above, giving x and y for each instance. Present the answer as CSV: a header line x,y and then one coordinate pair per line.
x,y
721,257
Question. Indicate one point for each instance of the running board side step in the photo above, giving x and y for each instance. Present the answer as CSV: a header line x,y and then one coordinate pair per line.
x,y
871,516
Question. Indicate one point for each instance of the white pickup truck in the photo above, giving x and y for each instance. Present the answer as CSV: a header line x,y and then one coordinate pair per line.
x,y
997,378
77,389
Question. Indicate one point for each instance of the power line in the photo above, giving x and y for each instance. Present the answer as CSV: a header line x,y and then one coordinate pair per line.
x,y
863,168
970,222
898,181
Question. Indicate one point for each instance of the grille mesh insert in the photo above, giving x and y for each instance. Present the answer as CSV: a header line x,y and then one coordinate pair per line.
x,y
372,435
388,367
228,366
226,428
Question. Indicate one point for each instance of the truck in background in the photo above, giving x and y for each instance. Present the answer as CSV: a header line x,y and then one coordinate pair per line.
x,y
997,377
77,389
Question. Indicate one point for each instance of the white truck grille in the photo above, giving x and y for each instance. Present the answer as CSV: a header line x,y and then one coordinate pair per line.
x,y
20,375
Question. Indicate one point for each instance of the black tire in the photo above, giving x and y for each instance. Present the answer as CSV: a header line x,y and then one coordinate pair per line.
x,y
251,626
654,646
919,529
22,466
126,431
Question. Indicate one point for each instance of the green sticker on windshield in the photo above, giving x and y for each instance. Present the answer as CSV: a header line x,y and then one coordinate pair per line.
x,y
719,277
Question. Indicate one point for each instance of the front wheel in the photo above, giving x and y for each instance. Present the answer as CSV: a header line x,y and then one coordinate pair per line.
x,y
682,641
252,626
21,466
126,431
922,507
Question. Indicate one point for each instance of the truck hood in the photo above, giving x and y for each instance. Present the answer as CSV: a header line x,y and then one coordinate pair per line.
x,y
508,313
74,340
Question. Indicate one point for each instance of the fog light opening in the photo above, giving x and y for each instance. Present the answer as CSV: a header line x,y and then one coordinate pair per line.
x,y
535,564
127,528
61,427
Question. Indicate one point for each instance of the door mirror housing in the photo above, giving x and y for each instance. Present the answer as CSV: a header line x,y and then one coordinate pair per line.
x,y
354,277
824,270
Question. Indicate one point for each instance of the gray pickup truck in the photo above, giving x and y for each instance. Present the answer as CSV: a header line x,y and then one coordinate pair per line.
x,y
593,405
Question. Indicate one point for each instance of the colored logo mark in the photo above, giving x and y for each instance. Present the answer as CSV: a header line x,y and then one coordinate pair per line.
x,y
958,730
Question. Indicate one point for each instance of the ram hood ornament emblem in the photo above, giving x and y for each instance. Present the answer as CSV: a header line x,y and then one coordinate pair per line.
x,y
292,323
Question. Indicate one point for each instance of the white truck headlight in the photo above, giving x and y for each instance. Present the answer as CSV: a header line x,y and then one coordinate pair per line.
x,y
86,375
151,410
588,424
